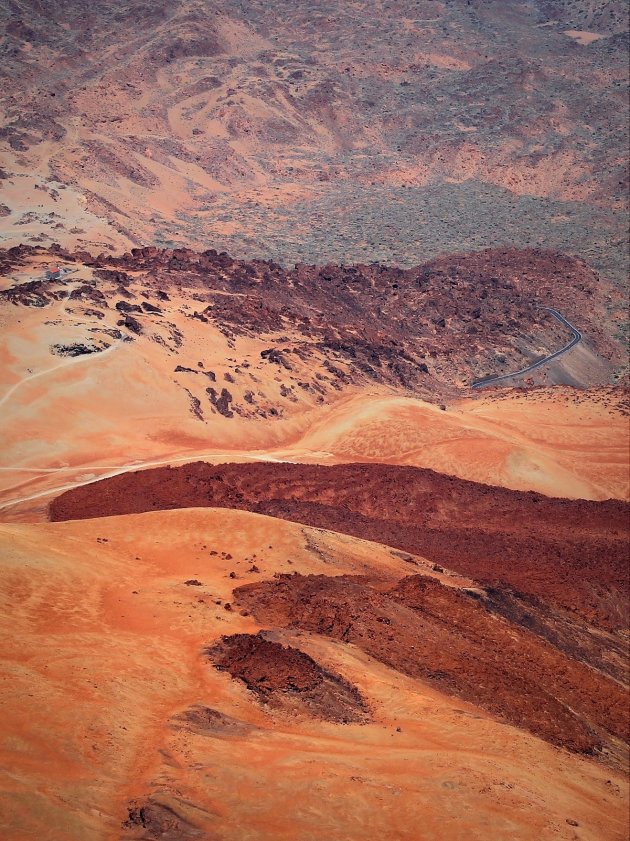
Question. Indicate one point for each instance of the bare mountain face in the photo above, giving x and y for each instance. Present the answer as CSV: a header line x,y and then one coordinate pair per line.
x,y
306,133
329,296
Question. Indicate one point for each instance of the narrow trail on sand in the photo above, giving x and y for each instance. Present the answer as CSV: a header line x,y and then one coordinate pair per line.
x,y
75,360
117,471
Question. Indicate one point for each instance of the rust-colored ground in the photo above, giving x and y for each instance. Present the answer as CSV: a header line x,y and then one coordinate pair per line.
x,y
117,716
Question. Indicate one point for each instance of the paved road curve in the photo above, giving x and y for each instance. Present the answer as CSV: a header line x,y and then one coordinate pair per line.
x,y
577,337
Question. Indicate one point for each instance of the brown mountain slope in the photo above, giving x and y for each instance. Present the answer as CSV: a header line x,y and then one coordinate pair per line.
x,y
449,638
360,131
452,320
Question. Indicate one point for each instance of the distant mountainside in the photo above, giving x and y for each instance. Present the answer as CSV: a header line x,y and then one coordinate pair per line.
x,y
307,133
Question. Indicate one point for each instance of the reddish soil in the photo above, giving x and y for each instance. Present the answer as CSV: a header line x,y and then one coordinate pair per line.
x,y
450,639
568,554
283,676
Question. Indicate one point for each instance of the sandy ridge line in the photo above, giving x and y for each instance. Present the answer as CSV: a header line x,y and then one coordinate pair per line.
x,y
117,471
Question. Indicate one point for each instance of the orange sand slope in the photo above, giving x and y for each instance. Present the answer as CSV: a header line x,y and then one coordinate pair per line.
x,y
560,442
100,656
68,420
99,416
541,442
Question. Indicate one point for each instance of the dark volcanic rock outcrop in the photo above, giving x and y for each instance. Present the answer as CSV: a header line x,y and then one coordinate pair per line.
x,y
386,322
436,327
447,637
221,402
569,553
283,676
77,349
206,721
153,820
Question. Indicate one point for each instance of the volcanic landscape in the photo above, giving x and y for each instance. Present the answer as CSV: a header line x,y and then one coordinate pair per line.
x,y
315,464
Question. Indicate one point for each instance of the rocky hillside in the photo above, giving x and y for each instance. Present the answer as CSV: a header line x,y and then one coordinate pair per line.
x,y
539,588
541,548
430,330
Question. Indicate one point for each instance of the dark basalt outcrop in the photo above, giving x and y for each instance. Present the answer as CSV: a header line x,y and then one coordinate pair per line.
x,y
221,402
131,324
440,325
571,554
206,721
77,349
159,821
285,677
125,307
147,306
448,638
32,294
